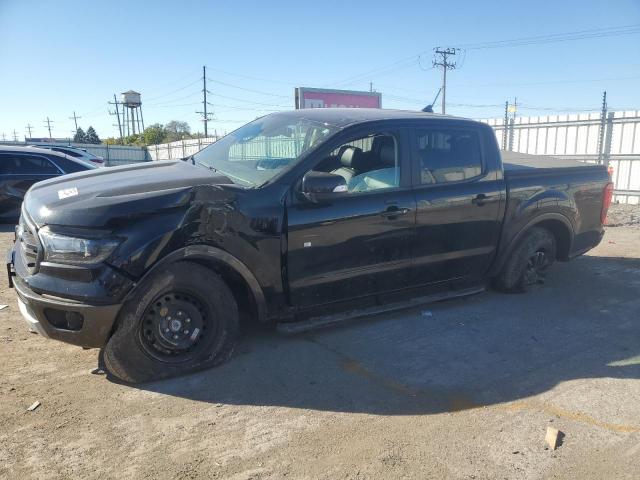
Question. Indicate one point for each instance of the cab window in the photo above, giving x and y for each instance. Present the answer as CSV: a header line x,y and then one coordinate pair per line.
x,y
448,155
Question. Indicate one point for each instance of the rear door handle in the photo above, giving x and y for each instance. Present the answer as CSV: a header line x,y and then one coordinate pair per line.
x,y
394,211
480,199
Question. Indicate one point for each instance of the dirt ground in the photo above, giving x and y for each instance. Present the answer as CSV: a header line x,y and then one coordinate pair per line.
x,y
462,389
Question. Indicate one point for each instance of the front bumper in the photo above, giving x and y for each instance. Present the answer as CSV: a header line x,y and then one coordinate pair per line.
x,y
61,319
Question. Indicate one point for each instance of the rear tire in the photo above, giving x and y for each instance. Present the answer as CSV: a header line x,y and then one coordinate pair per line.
x,y
182,318
528,263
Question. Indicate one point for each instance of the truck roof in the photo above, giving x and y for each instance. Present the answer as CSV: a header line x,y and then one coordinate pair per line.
x,y
342,117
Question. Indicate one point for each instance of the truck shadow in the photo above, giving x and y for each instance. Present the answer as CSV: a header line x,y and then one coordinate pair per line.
x,y
483,350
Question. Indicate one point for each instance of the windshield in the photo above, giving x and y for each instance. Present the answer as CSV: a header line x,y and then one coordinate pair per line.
x,y
258,151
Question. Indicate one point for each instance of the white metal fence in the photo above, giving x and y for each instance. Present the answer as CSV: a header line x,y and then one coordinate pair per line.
x,y
117,154
179,149
612,139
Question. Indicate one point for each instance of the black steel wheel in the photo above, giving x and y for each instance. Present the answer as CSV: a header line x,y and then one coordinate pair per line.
x,y
537,266
181,318
529,262
175,326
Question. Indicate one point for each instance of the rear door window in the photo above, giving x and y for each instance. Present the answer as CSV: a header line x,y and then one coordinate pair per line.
x,y
69,166
448,155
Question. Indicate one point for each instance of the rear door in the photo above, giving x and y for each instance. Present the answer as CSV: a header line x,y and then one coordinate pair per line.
x,y
18,172
358,243
458,190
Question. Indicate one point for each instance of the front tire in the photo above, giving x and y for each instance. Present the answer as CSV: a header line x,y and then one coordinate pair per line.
x,y
528,263
182,318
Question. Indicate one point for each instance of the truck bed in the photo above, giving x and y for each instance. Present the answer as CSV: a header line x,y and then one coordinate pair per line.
x,y
516,163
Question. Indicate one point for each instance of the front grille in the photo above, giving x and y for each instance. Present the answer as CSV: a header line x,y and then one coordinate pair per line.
x,y
29,243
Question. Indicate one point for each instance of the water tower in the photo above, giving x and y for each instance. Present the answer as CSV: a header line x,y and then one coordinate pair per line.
x,y
132,120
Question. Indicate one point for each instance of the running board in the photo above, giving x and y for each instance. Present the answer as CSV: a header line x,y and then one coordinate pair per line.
x,y
314,323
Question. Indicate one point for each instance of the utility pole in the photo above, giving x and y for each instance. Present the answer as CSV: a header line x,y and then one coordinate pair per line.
x,y
15,135
205,115
371,86
29,127
117,114
446,65
75,119
204,101
4,137
48,122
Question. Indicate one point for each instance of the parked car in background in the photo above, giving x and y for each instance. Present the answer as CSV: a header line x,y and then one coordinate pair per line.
x,y
21,167
295,216
74,152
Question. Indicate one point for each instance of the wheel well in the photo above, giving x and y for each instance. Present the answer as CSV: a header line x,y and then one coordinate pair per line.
x,y
245,299
562,235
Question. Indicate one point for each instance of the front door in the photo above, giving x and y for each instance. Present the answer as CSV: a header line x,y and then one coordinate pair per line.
x,y
357,243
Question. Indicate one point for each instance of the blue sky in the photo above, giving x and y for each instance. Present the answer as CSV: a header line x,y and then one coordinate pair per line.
x,y
60,56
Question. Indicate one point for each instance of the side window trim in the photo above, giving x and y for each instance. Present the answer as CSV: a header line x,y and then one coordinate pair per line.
x,y
416,164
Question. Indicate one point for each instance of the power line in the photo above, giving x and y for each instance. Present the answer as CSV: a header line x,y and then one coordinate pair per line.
x,y
556,37
550,82
176,105
251,77
250,102
248,89
181,79
176,90
376,72
251,109
168,102
540,39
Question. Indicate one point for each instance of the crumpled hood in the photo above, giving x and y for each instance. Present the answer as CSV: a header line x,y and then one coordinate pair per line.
x,y
96,197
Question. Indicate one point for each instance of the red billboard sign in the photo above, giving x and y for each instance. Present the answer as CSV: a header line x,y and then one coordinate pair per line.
x,y
323,98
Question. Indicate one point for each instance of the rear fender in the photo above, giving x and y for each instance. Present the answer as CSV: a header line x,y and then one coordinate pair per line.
x,y
515,240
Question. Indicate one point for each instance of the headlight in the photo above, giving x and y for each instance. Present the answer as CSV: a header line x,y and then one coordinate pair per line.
x,y
75,250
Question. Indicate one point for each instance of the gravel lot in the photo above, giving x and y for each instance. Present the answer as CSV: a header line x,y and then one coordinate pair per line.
x,y
466,392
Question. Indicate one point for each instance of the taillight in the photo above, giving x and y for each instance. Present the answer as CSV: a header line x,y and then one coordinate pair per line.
x,y
607,196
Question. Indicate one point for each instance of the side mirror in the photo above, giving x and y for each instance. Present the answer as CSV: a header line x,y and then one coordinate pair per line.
x,y
317,186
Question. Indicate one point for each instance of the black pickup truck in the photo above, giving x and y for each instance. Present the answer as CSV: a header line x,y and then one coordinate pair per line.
x,y
296,216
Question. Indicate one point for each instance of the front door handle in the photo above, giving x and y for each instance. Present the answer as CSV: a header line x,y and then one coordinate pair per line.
x,y
394,211
480,199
